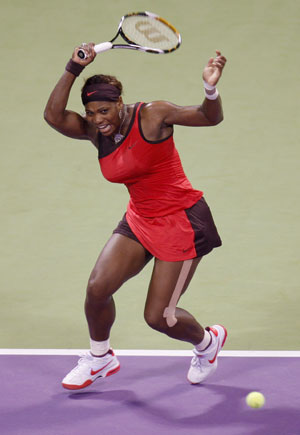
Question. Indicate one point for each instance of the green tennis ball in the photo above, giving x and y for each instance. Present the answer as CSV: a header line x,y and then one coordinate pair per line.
x,y
255,399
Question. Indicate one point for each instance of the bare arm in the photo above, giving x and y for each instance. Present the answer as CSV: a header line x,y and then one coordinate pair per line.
x,y
159,117
65,121
210,111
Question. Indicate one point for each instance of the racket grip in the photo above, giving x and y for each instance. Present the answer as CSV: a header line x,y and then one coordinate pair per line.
x,y
104,46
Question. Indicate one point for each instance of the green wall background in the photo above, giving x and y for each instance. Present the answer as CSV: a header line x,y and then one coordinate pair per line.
x,y
57,211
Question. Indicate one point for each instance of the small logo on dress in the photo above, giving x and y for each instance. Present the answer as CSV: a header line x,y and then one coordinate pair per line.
x,y
133,145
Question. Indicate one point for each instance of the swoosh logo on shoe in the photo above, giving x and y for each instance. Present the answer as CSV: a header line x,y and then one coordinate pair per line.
x,y
97,371
90,93
211,361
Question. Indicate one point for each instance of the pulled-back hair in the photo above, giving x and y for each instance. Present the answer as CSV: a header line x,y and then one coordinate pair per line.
x,y
101,78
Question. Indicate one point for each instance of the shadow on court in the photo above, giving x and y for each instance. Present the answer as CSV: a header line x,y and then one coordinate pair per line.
x,y
230,410
149,395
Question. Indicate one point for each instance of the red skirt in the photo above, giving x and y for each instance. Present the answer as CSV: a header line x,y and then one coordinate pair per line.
x,y
183,235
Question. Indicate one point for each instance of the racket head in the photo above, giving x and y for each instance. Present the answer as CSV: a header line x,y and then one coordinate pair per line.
x,y
150,32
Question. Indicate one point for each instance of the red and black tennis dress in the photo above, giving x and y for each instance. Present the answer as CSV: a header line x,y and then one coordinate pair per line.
x,y
165,214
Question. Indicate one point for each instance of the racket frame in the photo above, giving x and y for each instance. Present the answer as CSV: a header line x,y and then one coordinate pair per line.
x,y
104,46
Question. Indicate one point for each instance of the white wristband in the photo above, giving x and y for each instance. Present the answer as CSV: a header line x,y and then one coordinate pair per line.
x,y
213,96
208,87
211,92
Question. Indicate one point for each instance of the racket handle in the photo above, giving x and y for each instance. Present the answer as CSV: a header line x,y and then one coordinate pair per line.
x,y
104,46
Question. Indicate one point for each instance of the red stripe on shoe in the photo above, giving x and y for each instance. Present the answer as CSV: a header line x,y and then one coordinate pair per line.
x,y
225,337
219,347
215,331
113,371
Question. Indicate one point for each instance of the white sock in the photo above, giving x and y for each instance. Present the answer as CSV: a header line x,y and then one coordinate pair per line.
x,y
99,348
207,339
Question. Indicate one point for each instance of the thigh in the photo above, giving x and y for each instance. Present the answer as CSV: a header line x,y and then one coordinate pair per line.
x,y
163,282
121,259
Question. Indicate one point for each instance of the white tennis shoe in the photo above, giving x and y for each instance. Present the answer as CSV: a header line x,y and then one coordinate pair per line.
x,y
205,363
89,368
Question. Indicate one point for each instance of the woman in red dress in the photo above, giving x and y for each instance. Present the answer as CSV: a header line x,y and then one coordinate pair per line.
x,y
166,217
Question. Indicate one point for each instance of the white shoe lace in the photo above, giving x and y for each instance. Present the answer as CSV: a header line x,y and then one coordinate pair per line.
x,y
199,359
196,361
85,359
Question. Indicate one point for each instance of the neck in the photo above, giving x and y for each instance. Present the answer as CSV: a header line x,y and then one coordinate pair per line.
x,y
119,136
123,118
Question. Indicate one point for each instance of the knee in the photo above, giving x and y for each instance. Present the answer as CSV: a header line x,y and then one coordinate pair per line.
x,y
97,291
155,320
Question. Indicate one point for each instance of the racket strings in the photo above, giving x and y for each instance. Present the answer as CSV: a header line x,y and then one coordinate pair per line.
x,y
150,32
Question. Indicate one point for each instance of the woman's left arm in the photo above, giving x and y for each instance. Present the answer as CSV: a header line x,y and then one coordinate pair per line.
x,y
210,111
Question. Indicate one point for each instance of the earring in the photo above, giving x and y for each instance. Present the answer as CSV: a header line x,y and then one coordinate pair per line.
x,y
120,113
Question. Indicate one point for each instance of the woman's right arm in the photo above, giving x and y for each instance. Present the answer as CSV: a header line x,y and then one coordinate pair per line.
x,y
65,121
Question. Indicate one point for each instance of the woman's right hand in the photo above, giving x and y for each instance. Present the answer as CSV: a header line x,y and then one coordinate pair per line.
x,y
90,53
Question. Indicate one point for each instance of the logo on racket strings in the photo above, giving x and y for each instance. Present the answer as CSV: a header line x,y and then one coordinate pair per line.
x,y
150,32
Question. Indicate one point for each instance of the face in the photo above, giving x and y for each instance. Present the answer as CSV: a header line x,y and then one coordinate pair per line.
x,y
104,115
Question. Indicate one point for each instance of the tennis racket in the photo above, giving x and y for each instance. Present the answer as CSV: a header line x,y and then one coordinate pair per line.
x,y
143,31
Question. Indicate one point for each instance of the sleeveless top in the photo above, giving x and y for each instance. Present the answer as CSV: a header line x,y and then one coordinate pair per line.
x,y
158,187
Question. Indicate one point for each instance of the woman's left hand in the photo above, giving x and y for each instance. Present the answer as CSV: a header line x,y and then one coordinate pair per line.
x,y
213,70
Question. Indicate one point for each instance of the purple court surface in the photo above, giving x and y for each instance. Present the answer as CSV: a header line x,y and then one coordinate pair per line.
x,y
149,396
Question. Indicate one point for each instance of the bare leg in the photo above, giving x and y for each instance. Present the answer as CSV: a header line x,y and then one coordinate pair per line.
x,y
121,259
163,282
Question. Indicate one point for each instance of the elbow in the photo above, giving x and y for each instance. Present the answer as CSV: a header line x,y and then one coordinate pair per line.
x,y
220,120
47,116
50,118
217,121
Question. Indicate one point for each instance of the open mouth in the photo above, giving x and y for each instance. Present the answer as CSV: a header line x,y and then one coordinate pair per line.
x,y
106,128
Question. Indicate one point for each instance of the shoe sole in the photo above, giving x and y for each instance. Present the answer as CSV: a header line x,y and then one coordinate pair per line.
x,y
90,381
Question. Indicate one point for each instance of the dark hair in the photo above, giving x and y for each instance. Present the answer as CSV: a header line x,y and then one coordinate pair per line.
x,y
101,78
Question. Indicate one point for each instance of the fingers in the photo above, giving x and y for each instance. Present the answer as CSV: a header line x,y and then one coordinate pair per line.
x,y
210,62
219,60
88,51
219,63
88,48
213,71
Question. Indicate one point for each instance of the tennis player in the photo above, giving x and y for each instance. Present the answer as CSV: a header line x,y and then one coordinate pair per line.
x,y
166,217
